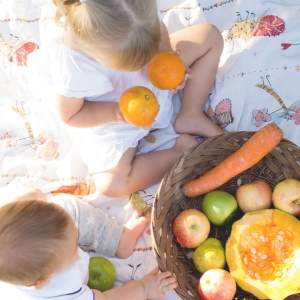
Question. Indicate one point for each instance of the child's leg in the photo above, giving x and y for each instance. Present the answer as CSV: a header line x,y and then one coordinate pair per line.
x,y
200,48
137,172
132,231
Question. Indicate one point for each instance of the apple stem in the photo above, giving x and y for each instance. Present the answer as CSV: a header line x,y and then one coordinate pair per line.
x,y
297,201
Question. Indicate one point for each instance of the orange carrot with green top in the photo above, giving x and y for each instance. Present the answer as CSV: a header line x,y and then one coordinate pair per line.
x,y
257,147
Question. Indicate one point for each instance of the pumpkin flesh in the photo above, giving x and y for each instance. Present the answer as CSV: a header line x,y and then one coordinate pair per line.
x,y
263,254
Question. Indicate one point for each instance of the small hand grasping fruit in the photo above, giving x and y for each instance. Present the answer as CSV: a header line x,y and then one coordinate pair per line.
x,y
166,71
139,106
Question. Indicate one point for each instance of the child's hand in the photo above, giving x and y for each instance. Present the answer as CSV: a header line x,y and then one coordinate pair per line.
x,y
158,284
182,85
119,115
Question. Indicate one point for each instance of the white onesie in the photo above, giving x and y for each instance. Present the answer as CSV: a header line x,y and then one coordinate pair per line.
x,y
70,284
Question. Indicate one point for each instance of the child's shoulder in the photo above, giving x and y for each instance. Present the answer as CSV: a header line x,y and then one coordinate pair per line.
x,y
67,284
73,74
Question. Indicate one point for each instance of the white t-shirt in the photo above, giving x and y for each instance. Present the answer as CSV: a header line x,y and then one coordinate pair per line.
x,y
70,284
73,74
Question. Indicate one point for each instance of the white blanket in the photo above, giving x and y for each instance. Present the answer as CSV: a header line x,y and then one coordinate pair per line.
x,y
258,82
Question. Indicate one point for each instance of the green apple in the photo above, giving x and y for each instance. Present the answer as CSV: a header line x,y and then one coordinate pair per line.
x,y
209,255
219,206
102,274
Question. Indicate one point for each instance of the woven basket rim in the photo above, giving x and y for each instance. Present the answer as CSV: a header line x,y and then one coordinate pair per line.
x,y
170,185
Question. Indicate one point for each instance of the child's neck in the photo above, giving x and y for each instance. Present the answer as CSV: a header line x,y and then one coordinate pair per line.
x,y
71,42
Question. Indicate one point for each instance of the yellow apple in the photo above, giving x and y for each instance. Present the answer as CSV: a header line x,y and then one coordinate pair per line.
x,y
254,196
286,196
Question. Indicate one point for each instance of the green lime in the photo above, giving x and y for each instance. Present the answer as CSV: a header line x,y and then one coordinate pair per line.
x,y
219,207
209,255
211,242
102,274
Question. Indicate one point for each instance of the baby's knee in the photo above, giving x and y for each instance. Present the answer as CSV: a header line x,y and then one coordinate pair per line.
x,y
212,34
113,185
216,37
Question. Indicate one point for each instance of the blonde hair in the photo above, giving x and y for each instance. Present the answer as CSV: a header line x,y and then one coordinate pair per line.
x,y
124,33
31,233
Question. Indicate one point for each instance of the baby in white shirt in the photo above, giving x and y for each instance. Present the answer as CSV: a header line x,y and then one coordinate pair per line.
x,y
40,252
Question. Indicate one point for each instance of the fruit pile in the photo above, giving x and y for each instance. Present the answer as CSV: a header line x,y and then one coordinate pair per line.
x,y
263,249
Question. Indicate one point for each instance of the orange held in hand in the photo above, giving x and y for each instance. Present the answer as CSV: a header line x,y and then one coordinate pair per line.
x,y
139,106
166,70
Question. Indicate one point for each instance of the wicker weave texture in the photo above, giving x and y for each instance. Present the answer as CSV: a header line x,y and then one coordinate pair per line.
x,y
283,162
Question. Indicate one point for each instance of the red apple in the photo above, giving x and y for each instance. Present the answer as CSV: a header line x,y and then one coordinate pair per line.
x,y
191,227
217,284
254,196
286,196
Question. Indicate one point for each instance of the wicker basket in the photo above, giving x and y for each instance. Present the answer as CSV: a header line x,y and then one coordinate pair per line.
x,y
283,162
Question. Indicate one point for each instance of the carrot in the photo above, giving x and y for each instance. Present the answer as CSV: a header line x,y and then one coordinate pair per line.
x,y
249,154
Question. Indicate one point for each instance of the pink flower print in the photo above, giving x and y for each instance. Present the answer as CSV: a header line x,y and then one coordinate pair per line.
x,y
20,54
269,26
259,117
223,113
223,107
296,115
285,46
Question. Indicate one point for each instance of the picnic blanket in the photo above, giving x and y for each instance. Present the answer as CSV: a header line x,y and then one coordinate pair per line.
x,y
257,83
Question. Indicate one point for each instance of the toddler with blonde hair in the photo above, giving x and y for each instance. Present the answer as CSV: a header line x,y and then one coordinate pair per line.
x,y
40,254
104,50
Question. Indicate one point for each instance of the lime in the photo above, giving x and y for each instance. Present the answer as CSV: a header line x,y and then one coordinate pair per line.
x,y
219,207
212,242
102,274
209,255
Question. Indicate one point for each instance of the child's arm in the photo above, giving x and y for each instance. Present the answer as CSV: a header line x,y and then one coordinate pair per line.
x,y
152,286
77,112
96,228
134,290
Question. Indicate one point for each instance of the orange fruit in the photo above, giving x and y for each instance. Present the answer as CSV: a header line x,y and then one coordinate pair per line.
x,y
139,106
166,70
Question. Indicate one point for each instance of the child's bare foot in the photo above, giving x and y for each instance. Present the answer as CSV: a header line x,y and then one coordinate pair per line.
x,y
157,285
185,142
133,229
197,124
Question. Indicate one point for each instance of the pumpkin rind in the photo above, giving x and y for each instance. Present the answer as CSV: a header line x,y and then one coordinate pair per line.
x,y
282,286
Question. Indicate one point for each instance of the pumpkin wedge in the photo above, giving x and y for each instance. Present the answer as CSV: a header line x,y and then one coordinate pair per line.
x,y
263,254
